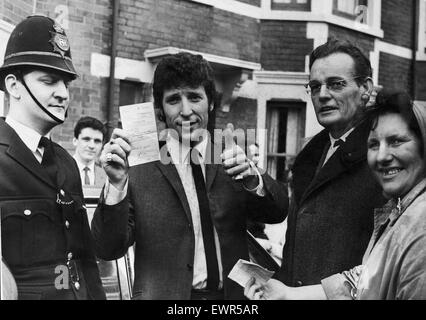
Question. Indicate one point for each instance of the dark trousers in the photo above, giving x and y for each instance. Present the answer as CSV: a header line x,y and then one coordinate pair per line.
x,y
204,294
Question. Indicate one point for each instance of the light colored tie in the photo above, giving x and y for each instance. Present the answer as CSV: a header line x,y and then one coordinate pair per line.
x,y
86,175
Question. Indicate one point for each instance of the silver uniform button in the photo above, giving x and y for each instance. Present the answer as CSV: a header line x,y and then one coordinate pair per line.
x,y
67,224
77,285
70,256
27,212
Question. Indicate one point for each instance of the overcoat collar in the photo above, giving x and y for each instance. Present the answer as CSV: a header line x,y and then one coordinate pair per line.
x,y
346,157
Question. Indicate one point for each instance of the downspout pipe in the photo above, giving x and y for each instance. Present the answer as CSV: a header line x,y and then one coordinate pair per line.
x,y
415,48
111,85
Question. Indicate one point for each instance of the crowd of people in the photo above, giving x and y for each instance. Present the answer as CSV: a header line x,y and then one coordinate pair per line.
x,y
356,217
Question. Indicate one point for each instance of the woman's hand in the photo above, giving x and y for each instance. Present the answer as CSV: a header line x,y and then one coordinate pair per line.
x,y
272,290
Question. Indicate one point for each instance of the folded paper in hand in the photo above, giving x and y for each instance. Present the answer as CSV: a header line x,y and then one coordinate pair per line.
x,y
139,121
244,270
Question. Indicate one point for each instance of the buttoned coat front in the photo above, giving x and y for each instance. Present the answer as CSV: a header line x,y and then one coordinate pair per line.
x,y
332,209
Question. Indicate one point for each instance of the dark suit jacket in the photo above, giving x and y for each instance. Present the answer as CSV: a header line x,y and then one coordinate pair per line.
x,y
34,234
156,216
331,215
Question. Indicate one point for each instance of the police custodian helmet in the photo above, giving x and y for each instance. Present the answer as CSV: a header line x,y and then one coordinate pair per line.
x,y
40,42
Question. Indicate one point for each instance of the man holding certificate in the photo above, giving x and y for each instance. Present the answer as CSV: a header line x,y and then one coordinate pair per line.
x,y
186,212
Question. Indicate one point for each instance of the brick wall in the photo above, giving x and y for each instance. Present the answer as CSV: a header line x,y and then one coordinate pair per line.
x,y
243,115
421,81
363,41
397,22
395,73
284,45
256,3
13,11
143,24
89,31
146,24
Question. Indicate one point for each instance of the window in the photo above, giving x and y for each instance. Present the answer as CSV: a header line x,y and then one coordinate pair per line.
x,y
423,26
132,92
291,5
285,121
421,54
351,9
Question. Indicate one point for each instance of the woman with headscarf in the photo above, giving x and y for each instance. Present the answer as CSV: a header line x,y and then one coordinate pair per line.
x,y
394,265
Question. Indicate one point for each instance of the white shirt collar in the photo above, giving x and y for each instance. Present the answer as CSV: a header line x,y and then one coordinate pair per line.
x,y
180,152
29,136
81,165
343,138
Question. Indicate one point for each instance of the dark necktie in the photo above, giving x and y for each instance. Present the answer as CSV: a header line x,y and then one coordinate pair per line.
x,y
338,143
48,161
206,223
86,176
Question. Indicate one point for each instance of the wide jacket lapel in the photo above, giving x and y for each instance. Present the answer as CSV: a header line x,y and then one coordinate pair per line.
x,y
20,153
346,157
170,173
306,165
211,170
332,169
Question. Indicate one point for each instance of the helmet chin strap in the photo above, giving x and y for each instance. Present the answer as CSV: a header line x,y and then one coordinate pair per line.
x,y
43,108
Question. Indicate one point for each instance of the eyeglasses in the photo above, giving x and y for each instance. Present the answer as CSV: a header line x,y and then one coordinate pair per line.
x,y
332,84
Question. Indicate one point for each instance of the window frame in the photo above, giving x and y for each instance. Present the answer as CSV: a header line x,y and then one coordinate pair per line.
x,y
295,121
320,12
421,53
291,4
346,14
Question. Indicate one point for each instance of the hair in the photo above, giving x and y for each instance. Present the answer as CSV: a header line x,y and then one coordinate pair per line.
x,y
362,64
183,69
20,71
89,122
395,102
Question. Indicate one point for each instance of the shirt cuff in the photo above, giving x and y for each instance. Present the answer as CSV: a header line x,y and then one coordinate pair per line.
x,y
337,287
259,190
112,195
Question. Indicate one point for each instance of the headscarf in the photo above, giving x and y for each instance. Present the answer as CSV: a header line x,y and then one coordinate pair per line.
x,y
420,114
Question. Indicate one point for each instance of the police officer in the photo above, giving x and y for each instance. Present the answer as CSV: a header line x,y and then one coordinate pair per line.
x,y
46,240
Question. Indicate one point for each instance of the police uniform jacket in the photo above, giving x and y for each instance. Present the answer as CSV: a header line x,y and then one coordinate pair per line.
x,y
48,246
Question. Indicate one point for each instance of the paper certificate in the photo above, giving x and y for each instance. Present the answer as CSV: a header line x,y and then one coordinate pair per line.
x,y
139,121
243,271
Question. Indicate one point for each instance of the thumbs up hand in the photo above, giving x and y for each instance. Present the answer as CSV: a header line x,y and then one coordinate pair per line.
x,y
235,161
